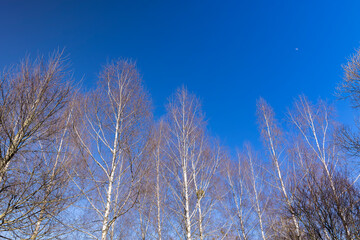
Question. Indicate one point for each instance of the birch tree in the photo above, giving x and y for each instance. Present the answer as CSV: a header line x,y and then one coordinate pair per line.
x,y
275,146
238,204
248,200
143,213
159,137
113,138
191,166
255,183
150,216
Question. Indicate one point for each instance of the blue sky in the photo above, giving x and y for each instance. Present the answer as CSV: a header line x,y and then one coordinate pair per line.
x,y
227,52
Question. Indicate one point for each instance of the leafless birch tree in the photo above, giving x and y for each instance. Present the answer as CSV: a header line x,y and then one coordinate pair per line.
x,y
159,137
237,204
248,198
256,185
113,138
192,165
276,147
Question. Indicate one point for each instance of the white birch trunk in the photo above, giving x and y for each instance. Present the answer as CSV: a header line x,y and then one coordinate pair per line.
x,y
187,203
275,159
158,204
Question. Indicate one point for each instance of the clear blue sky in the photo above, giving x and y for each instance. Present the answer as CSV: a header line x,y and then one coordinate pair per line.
x,y
227,52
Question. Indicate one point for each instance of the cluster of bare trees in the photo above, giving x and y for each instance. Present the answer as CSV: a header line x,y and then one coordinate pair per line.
x,y
96,165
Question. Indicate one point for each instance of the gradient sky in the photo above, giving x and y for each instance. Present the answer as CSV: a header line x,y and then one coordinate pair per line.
x,y
229,53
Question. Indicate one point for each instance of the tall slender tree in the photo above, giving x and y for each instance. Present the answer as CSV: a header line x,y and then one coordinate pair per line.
x,y
113,137
276,147
192,165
